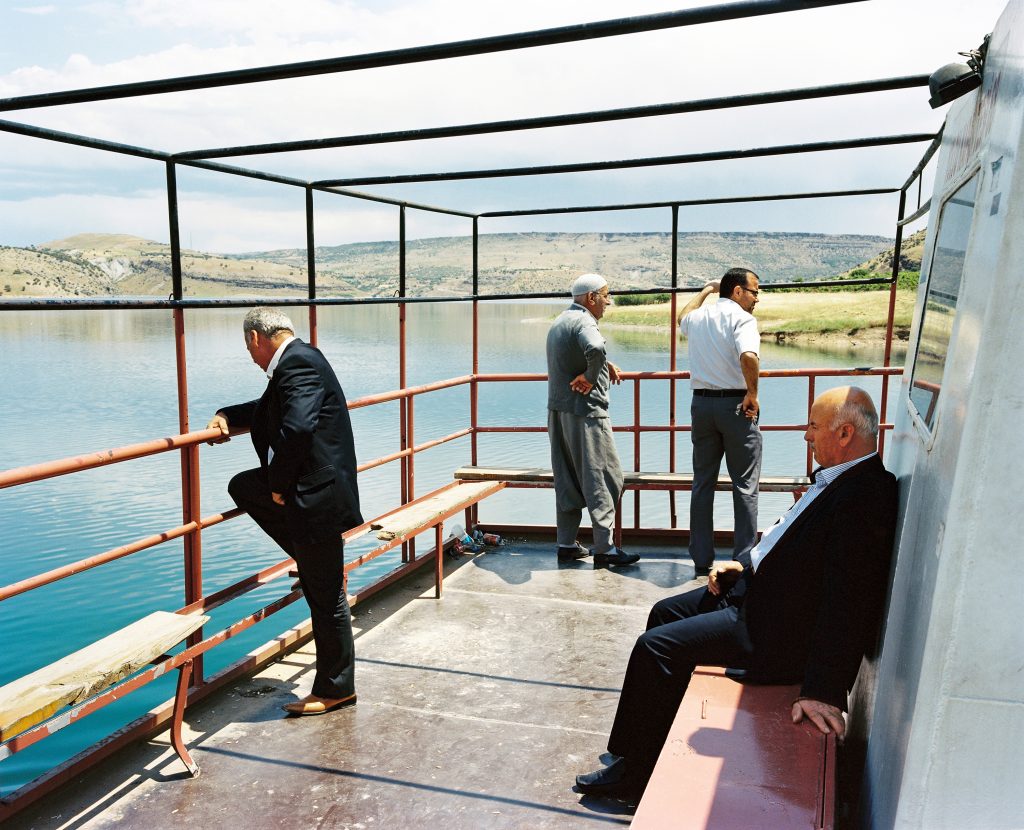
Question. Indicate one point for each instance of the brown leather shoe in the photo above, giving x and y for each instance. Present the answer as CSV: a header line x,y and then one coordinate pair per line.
x,y
313,705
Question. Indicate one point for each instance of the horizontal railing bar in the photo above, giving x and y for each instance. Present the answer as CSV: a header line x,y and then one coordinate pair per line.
x,y
87,564
418,54
628,164
722,200
49,469
386,459
408,392
565,119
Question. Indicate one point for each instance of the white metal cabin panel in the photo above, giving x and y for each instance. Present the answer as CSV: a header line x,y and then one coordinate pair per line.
x,y
953,659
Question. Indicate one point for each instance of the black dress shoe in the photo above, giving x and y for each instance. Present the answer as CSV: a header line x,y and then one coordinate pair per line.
x,y
567,553
614,781
616,556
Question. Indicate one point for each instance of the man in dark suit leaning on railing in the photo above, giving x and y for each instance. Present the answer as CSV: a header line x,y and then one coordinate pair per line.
x,y
304,493
802,606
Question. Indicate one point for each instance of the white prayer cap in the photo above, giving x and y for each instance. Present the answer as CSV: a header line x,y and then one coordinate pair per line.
x,y
586,283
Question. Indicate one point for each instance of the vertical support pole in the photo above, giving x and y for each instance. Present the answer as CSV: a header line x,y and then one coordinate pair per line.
x,y
474,389
180,700
190,512
810,402
403,403
438,559
897,249
636,449
311,265
672,346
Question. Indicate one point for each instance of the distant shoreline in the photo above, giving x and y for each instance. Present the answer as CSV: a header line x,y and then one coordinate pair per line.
x,y
826,319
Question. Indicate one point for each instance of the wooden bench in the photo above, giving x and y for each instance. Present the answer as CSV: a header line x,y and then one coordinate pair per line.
x,y
539,476
27,704
735,759
543,477
429,511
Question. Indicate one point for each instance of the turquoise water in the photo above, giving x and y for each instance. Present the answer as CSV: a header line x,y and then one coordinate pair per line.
x,y
78,382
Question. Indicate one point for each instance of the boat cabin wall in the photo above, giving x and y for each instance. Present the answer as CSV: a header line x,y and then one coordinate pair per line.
x,y
943,704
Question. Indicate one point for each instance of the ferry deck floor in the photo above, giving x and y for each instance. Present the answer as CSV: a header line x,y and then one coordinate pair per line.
x,y
475,711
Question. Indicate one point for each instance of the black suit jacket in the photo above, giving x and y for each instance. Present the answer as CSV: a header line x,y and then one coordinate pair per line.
x,y
304,418
814,606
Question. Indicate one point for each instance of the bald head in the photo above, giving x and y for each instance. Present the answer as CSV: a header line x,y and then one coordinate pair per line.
x,y
843,426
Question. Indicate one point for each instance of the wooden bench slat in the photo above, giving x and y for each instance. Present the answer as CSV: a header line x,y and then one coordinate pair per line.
x,y
539,475
31,699
425,513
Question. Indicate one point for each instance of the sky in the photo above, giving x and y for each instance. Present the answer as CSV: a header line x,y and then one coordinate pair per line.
x,y
50,191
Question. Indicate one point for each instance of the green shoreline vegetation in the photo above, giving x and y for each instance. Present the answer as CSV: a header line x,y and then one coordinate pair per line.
x,y
787,313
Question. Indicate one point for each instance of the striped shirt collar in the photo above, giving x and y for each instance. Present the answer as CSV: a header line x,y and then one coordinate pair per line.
x,y
824,476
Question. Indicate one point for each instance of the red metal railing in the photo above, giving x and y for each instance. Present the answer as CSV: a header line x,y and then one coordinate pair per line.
x,y
191,528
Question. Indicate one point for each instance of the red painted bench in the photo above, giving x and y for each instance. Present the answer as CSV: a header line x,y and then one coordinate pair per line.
x,y
735,759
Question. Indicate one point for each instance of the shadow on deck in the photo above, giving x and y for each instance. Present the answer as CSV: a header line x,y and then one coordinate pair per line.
x,y
476,711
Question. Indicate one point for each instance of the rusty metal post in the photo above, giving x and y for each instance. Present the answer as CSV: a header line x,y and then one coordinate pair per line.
x,y
403,404
897,248
190,511
810,402
474,388
636,450
438,559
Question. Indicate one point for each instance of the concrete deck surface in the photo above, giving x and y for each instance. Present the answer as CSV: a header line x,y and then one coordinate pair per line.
x,y
474,711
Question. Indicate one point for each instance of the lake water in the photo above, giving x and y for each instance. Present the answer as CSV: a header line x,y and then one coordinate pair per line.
x,y
77,382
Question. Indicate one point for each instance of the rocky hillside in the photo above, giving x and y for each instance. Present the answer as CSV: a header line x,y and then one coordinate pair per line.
x,y
121,265
911,254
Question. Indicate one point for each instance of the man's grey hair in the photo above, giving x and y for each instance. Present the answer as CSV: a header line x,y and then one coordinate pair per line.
x,y
267,321
859,411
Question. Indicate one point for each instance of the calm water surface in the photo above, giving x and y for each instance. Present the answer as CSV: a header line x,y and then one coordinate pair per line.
x,y
77,382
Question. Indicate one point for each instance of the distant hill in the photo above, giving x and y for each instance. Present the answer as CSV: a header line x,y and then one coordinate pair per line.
x,y
117,264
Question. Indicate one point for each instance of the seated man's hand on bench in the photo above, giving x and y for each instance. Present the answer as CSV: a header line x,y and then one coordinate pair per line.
x,y
826,717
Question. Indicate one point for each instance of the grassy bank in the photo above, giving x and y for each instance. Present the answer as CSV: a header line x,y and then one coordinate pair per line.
x,y
793,313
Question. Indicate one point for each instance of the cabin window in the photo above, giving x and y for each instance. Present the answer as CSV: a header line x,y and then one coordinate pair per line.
x,y
944,275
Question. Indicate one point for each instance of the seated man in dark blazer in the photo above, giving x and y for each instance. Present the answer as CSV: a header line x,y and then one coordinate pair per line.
x,y
304,492
802,606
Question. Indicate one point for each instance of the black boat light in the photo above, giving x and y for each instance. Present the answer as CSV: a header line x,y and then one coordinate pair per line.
x,y
949,82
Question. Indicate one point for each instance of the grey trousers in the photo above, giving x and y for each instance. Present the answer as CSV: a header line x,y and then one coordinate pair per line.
x,y
718,430
587,474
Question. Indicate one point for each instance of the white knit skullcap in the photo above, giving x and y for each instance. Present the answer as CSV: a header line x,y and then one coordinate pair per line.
x,y
586,283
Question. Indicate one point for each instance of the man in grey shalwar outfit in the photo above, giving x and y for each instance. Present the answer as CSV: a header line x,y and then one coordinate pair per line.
x,y
583,456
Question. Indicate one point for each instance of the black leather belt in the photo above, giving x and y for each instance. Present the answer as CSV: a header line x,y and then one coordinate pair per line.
x,y
720,393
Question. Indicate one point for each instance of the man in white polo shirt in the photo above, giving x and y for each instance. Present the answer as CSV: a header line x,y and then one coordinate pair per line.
x,y
724,345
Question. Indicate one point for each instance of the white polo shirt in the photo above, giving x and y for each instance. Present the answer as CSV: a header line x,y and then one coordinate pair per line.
x,y
718,333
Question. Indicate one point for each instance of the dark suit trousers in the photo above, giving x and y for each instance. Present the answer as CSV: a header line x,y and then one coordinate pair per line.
x,y
684,631
322,575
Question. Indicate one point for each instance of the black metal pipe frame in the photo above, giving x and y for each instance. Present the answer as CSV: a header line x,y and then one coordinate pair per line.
x,y
566,119
719,200
44,304
419,54
625,164
30,131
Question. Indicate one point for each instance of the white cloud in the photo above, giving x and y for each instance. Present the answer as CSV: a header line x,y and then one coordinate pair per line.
x,y
820,46
35,9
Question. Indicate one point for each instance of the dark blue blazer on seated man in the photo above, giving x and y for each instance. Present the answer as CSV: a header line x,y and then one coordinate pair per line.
x,y
807,615
813,607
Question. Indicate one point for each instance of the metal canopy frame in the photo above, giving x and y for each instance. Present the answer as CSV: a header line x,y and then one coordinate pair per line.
x,y
201,159
192,520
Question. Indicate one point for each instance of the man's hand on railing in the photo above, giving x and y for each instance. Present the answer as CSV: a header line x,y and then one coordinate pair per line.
x,y
218,421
